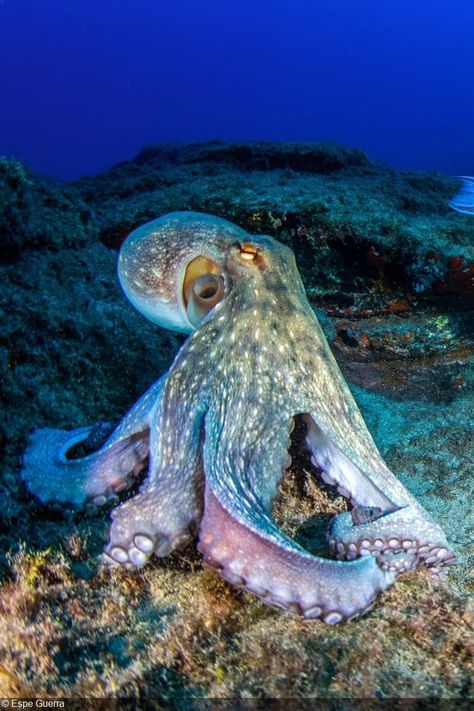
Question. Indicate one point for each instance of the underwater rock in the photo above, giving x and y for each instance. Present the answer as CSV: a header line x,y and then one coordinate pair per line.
x,y
321,158
36,215
390,267
367,224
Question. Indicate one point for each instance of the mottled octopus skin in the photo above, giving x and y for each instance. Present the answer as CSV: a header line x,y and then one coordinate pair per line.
x,y
216,431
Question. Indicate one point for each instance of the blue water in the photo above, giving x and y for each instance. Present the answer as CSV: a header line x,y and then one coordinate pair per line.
x,y
85,84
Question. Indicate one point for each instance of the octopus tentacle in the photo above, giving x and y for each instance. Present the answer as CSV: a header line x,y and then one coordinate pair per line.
x,y
400,524
155,521
338,469
410,530
238,536
283,574
165,514
52,474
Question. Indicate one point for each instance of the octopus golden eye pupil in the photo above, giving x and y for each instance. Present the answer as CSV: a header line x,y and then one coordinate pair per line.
x,y
248,252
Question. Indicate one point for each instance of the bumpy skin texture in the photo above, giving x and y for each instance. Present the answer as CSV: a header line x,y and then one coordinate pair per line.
x,y
215,432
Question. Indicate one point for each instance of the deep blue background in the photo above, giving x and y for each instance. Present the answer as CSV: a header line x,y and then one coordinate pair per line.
x,y
85,84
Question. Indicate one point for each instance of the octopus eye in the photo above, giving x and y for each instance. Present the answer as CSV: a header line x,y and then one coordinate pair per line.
x,y
248,252
203,288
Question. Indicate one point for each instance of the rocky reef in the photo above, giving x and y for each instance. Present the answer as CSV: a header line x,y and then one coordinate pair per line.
x,y
389,269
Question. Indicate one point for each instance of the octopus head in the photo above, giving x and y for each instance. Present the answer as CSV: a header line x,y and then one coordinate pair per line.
x,y
173,269
176,268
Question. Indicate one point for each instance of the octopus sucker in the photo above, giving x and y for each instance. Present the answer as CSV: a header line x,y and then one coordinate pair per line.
x,y
211,437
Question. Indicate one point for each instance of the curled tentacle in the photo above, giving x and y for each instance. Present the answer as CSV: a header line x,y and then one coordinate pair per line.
x,y
408,530
238,536
54,475
265,562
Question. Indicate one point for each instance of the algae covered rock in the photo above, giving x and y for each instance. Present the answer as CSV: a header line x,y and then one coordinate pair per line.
x,y
34,214
349,220
389,269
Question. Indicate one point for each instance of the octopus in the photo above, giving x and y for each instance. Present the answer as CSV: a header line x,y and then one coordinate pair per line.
x,y
213,433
